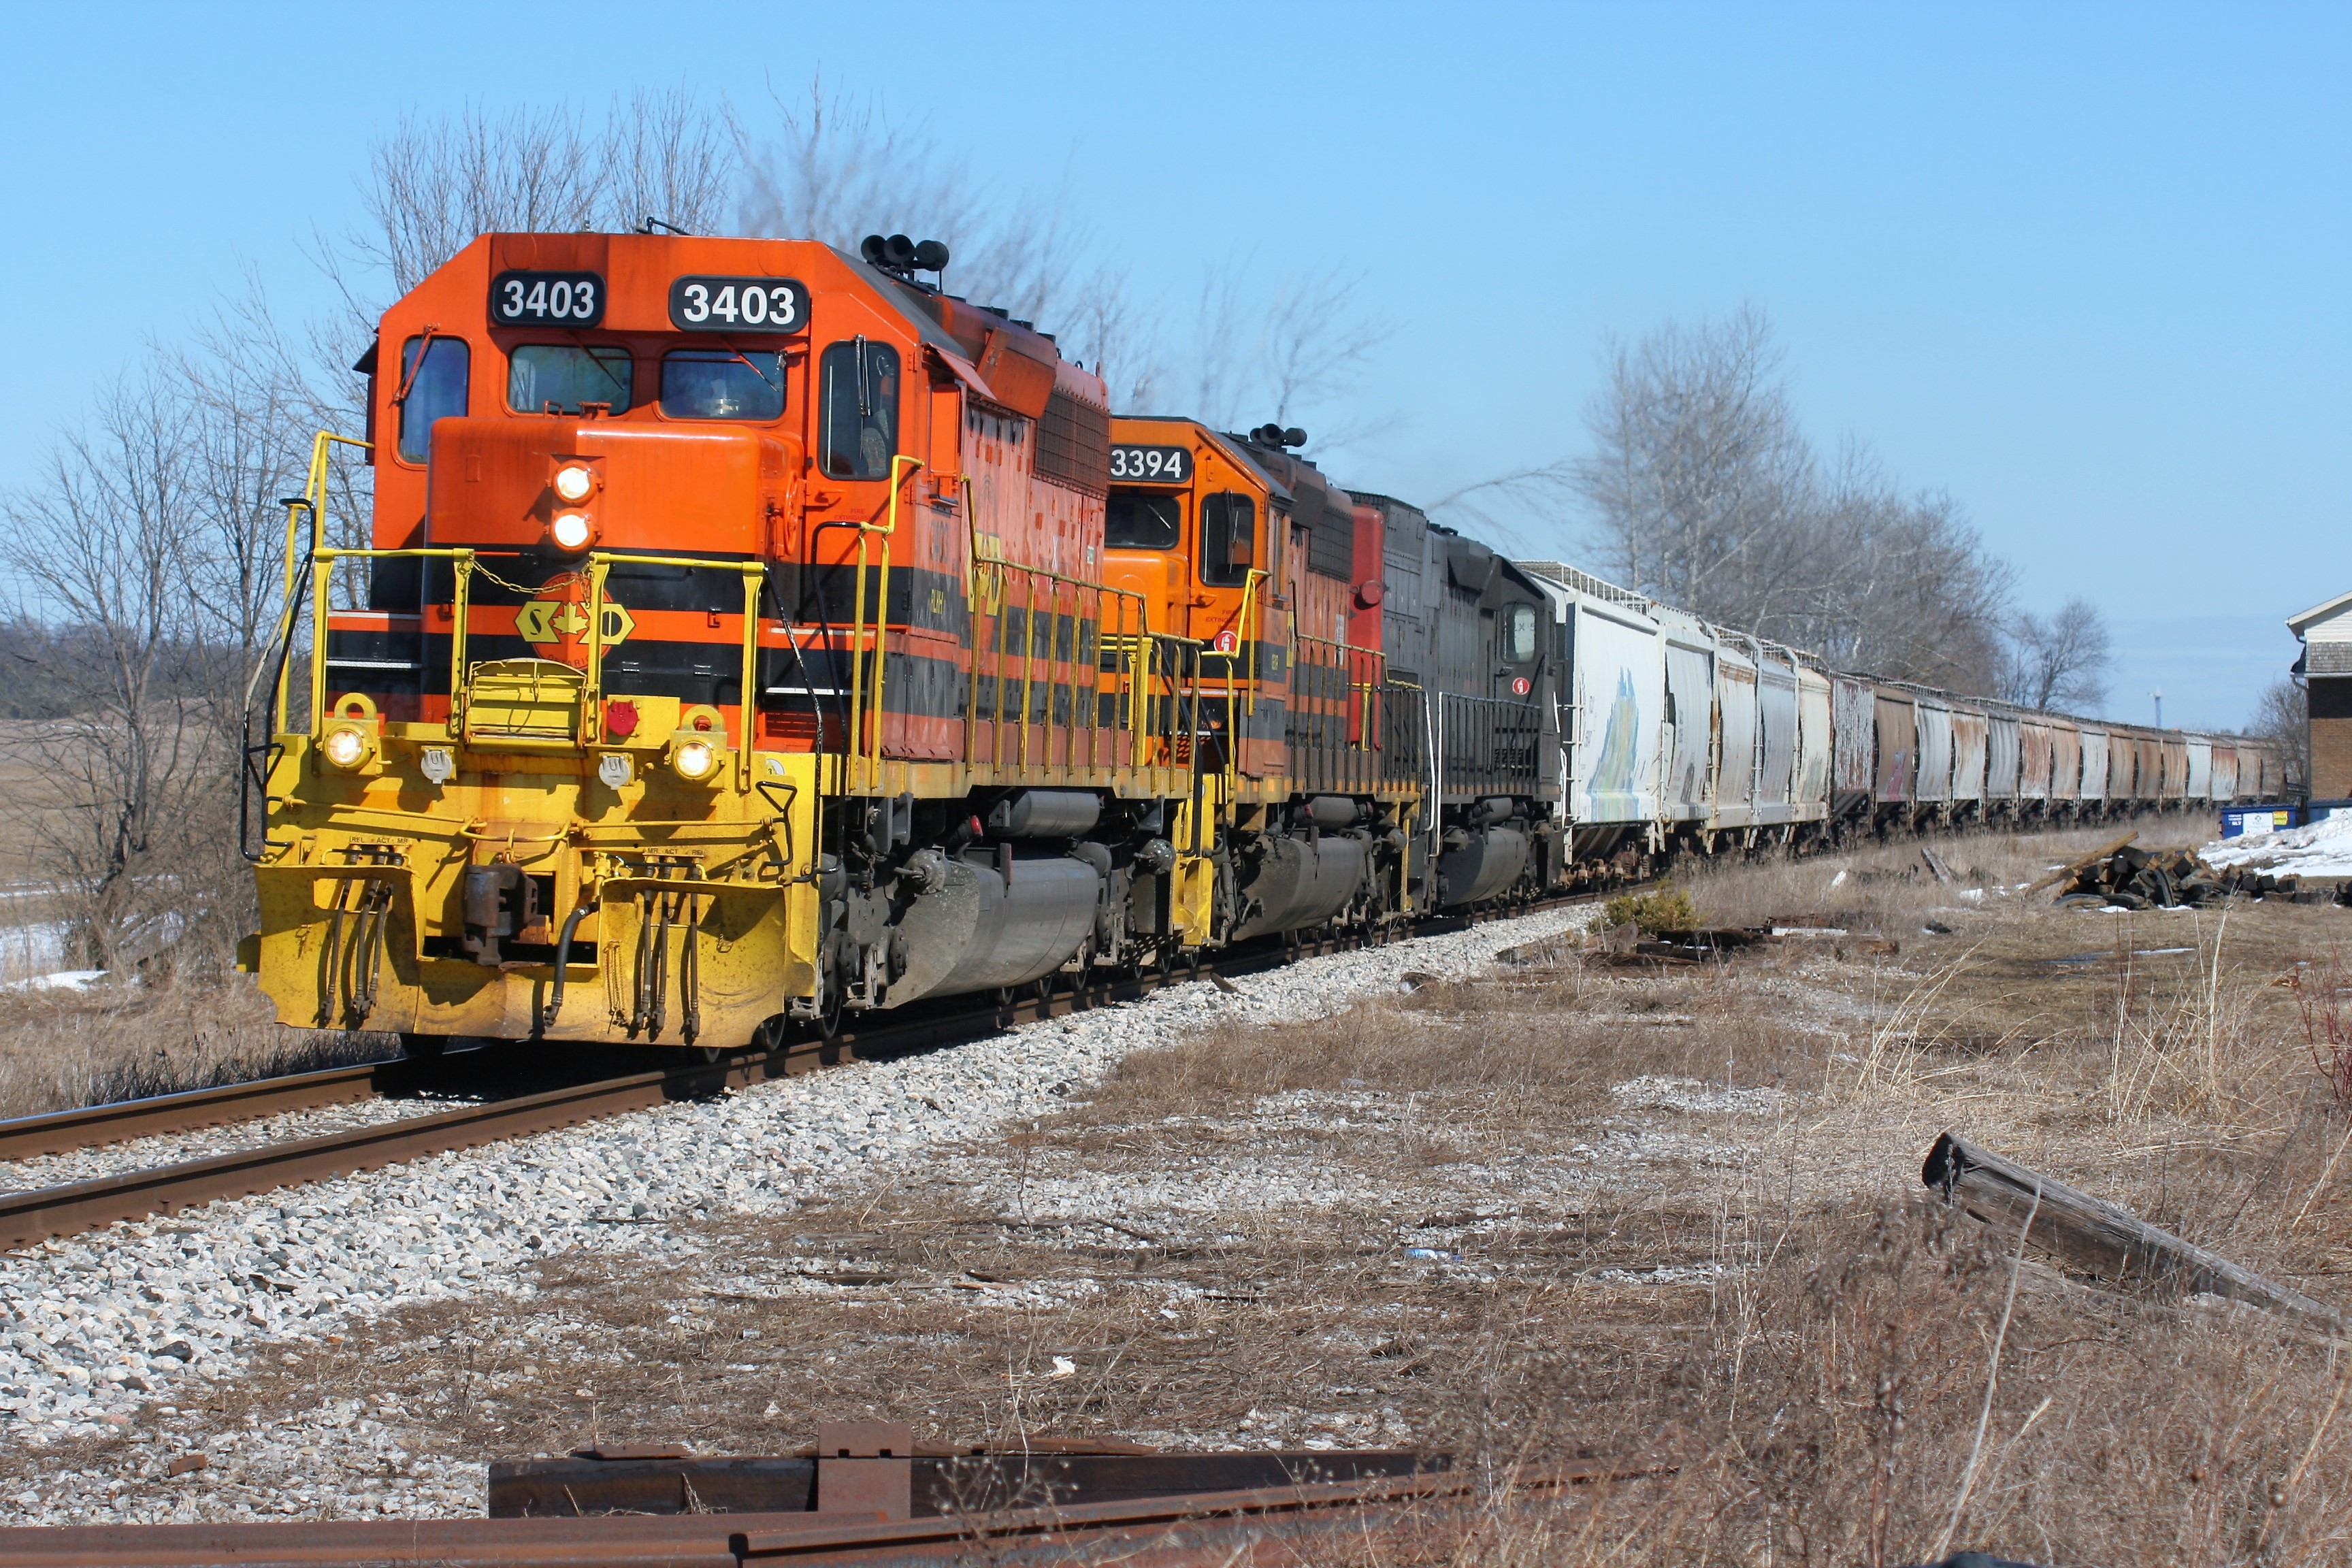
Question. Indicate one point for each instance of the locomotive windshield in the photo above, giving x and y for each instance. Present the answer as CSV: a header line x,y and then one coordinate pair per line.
x,y
858,420
1139,520
557,378
720,383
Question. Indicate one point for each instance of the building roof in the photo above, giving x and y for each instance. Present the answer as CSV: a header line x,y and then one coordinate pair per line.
x,y
2313,617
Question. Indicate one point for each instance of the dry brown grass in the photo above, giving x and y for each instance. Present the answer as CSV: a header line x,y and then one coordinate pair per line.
x,y
1890,885
62,1048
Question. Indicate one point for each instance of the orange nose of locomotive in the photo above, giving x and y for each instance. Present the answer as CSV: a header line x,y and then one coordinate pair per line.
x,y
562,487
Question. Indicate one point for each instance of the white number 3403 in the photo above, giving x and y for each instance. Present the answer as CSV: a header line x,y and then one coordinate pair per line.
x,y
753,305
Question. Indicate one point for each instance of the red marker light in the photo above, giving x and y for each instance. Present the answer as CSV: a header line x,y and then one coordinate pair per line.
x,y
620,720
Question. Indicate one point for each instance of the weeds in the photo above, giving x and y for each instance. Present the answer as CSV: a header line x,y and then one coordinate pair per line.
x,y
1665,908
63,1048
2318,988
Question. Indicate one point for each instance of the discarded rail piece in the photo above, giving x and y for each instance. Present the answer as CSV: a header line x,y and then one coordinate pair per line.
x,y
877,1467
2100,1237
864,1496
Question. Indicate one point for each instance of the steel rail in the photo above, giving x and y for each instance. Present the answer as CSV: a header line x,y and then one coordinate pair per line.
x,y
36,1215
24,1137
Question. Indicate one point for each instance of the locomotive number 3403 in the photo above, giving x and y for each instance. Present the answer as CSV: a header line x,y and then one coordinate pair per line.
x,y
547,298
738,304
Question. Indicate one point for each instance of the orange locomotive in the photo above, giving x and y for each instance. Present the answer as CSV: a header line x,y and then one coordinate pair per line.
x,y
1268,568
733,649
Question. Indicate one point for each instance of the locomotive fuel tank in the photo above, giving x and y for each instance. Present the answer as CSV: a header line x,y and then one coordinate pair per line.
x,y
1484,855
991,916
1301,882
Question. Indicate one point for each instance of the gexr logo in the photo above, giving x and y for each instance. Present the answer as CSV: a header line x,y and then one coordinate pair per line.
x,y
544,621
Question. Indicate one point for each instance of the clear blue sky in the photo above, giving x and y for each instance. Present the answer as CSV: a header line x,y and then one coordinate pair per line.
x,y
2084,267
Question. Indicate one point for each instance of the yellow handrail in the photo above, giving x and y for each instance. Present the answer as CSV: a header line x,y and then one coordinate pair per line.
x,y
755,572
323,559
853,744
980,567
1348,655
314,499
465,560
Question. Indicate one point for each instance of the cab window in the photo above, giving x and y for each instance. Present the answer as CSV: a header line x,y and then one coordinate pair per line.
x,y
557,378
1228,539
720,383
1518,633
857,415
434,390
1142,521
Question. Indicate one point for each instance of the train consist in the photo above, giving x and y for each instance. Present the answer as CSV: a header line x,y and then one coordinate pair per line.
x,y
750,633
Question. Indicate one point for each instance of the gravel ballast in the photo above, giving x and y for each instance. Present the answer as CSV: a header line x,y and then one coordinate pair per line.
x,y
101,1333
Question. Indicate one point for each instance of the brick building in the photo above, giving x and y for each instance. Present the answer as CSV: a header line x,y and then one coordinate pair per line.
x,y
2326,631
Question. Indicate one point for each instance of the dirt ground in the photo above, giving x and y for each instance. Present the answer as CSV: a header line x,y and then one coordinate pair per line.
x,y
1583,1204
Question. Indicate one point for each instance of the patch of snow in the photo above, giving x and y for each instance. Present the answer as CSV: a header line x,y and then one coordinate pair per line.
x,y
59,980
2322,849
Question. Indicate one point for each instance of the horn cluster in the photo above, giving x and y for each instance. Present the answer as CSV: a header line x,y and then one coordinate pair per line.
x,y
903,258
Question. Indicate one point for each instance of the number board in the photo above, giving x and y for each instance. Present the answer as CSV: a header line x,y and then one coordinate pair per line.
x,y
739,305
547,299
1152,465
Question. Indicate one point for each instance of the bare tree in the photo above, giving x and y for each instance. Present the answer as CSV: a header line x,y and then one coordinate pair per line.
x,y
835,168
433,184
2059,660
1293,348
251,411
1700,479
2283,717
1906,587
666,157
104,544
1515,510
1705,493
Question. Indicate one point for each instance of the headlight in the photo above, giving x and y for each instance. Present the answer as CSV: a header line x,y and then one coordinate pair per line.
x,y
569,531
345,747
574,482
694,759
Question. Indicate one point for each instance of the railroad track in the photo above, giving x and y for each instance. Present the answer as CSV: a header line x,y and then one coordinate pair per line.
x,y
36,1215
